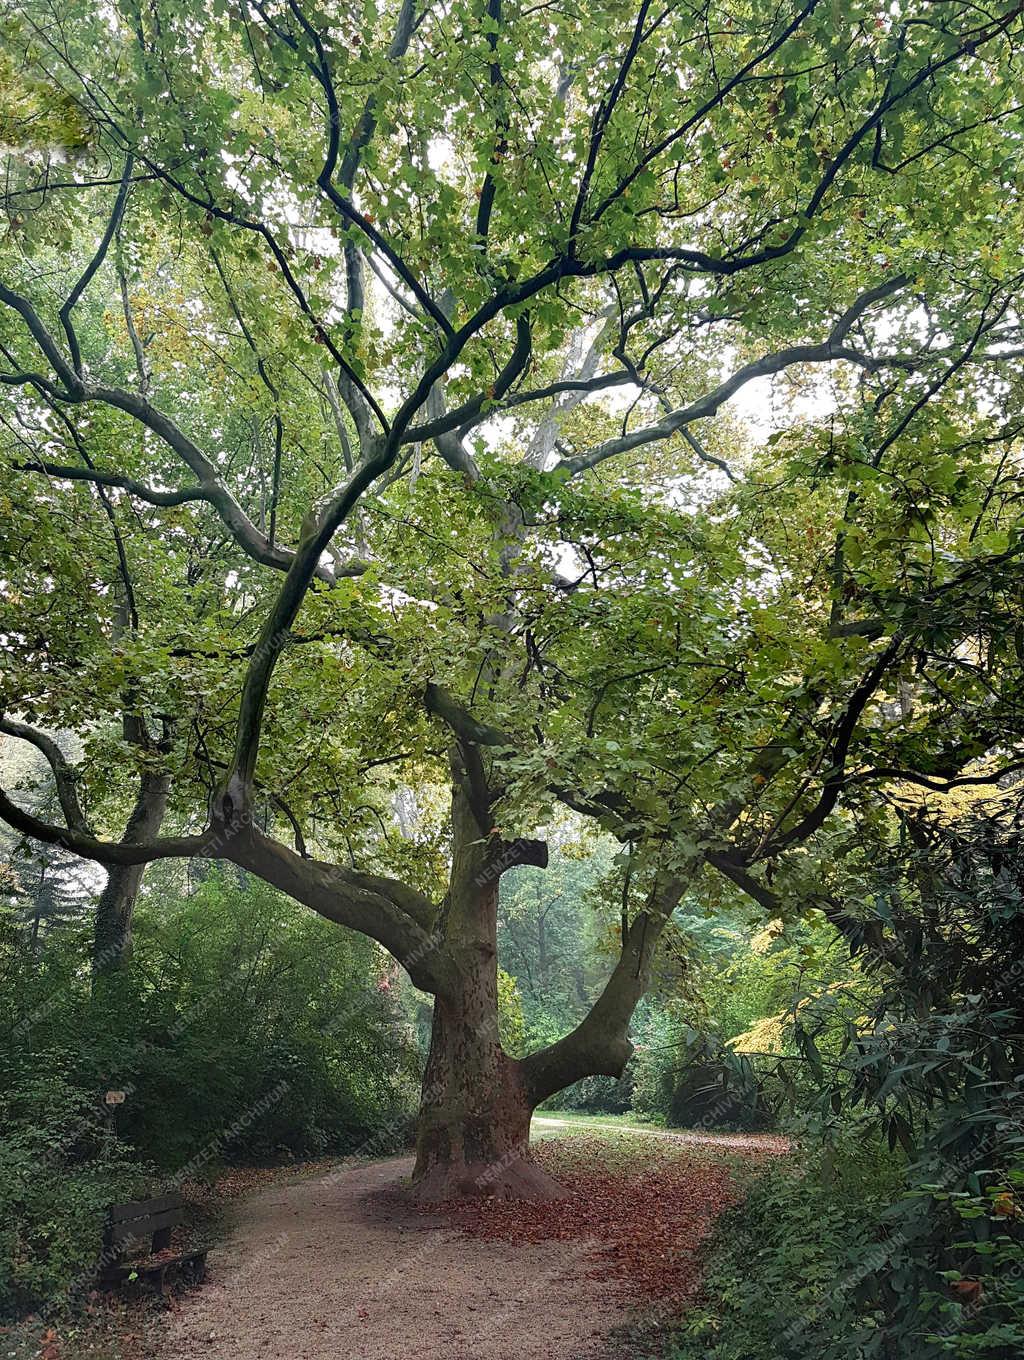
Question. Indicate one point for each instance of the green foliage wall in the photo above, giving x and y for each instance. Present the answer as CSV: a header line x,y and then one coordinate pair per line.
x,y
245,1030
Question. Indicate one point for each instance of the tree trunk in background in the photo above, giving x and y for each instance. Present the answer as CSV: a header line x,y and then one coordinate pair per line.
x,y
542,949
474,1122
112,936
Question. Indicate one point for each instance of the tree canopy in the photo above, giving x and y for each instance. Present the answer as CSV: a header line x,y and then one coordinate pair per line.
x,y
371,426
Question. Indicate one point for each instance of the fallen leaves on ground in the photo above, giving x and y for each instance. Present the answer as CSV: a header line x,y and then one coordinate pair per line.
x,y
105,1328
234,1181
647,1205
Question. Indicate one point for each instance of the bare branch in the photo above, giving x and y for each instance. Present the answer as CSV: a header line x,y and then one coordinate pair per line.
x,y
103,852
63,774
94,264
516,365
826,352
397,916
98,477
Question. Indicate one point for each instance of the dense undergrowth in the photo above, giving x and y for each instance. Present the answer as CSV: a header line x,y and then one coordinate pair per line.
x,y
898,1234
851,1257
245,1030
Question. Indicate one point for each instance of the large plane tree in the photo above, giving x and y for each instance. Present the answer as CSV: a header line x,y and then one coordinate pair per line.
x,y
360,372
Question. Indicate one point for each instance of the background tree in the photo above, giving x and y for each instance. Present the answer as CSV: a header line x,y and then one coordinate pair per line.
x,y
557,930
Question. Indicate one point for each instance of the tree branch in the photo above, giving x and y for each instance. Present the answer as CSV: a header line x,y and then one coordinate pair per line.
x,y
274,635
599,1043
390,912
97,476
516,365
94,264
778,840
103,852
826,352
63,774
211,488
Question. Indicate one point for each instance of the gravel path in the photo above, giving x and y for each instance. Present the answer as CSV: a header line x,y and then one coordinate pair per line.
x,y
337,1266
333,1269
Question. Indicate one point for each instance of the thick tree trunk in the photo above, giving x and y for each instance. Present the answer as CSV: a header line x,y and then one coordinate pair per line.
x,y
474,1124
112,934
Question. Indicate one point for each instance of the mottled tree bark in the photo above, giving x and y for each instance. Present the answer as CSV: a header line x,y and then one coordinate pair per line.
x,y
474,1122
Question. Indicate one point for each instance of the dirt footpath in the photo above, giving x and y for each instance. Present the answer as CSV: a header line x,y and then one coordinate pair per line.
x,y
332,1268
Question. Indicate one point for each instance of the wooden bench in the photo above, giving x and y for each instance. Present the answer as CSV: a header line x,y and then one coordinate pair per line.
x,y
149,1223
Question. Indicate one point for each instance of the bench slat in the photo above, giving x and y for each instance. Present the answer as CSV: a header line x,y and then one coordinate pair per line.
x,y
143,1228
142,1208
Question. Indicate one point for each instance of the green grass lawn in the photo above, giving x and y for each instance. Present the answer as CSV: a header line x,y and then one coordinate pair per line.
x,y
577,1117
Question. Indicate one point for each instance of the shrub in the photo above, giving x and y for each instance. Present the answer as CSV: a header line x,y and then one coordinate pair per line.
x,y
235,1002
596,1095
786,1268
245,1029
60,1166
851,1257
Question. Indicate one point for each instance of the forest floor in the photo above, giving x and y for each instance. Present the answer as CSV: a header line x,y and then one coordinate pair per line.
x,y
342,1263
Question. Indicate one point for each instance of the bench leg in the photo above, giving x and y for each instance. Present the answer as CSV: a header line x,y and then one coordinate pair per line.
x,y
195,1268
